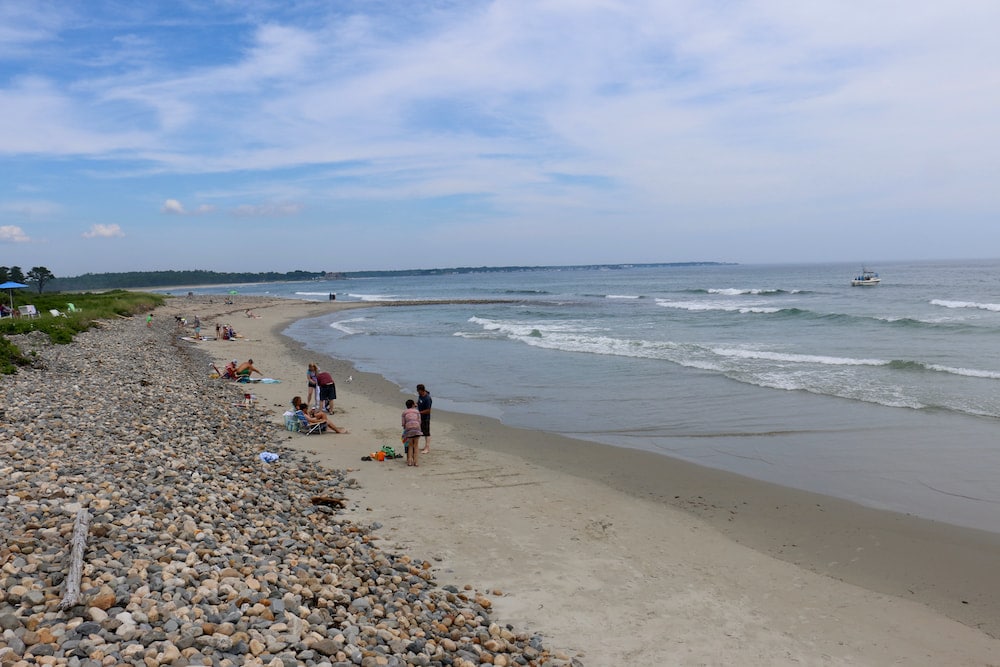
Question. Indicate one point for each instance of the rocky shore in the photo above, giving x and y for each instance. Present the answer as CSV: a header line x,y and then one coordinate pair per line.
x,y
199,552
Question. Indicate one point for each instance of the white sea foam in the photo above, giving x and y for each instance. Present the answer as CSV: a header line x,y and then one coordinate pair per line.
x,y
739,291
967,372
515,329
570,337
734,291
736,363
994,307
760,310
795,358
944,319
477,335
579,337
621,296
725,306
373,297
344,325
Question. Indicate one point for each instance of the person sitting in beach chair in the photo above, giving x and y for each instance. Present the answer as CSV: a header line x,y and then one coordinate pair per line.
x,y
230,372
314,416
306,424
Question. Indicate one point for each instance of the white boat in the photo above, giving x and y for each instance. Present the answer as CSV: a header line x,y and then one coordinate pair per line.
x,y
867,277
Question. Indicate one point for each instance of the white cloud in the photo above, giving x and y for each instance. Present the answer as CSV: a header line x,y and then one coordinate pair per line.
x,y
24,26
103,232
267,210
30,209
174,207
43,118
12,234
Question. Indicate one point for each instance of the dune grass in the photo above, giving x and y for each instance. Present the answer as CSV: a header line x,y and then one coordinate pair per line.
x,y
91,308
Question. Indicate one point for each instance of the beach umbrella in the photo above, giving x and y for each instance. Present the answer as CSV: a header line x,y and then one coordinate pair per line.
x,y
10,286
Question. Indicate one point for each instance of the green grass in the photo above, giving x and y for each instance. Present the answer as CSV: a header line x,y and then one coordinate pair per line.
x,y
91,306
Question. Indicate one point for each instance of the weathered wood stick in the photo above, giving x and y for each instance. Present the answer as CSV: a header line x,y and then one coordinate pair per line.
x,y
79,543
329,501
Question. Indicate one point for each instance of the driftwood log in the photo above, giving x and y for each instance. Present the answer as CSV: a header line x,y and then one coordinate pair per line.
x,y
79,544
329,501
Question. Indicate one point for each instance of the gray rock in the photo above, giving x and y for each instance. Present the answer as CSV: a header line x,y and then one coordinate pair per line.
x,y
9,622
327,647
360,604
42,649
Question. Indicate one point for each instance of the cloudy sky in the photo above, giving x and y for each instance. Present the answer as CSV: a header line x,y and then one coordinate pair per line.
x,y
341,135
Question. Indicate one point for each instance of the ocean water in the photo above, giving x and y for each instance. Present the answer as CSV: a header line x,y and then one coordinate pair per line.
x,y
888,395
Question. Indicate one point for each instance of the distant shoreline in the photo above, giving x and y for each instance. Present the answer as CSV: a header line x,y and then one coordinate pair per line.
x,y
131,279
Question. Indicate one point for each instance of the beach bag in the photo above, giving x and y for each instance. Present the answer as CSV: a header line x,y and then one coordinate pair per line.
x,y
389,451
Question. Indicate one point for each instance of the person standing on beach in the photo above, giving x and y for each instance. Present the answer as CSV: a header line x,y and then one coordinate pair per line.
x,y
149,321
424,407
327,390
411,431
312,396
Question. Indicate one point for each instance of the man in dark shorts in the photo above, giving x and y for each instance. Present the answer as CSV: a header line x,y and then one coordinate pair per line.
x,y
327,391
424,407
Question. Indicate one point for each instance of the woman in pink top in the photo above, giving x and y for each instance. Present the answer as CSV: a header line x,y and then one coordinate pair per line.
x,y
411,431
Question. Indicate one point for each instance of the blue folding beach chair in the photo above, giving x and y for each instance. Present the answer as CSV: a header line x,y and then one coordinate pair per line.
x,y
305,428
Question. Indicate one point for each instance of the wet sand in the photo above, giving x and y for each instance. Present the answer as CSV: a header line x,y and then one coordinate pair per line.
x,y
632,557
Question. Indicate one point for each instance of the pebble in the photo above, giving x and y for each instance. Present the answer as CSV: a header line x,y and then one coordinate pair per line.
x,y
199,553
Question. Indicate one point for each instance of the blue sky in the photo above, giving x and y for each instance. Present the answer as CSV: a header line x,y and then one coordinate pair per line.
x,y
338,135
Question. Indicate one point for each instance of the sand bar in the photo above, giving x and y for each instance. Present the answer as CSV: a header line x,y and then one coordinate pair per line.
x,y
630,557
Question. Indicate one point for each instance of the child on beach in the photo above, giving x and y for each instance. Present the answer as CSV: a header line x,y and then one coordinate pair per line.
x,y
411,431
313,392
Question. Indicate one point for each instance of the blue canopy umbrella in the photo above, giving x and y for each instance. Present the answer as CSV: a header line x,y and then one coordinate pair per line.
x,y
10,286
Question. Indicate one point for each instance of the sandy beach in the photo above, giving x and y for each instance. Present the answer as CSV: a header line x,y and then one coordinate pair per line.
x,y
629,558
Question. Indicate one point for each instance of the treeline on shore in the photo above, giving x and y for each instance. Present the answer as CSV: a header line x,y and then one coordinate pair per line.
x,y
140,279
512,269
